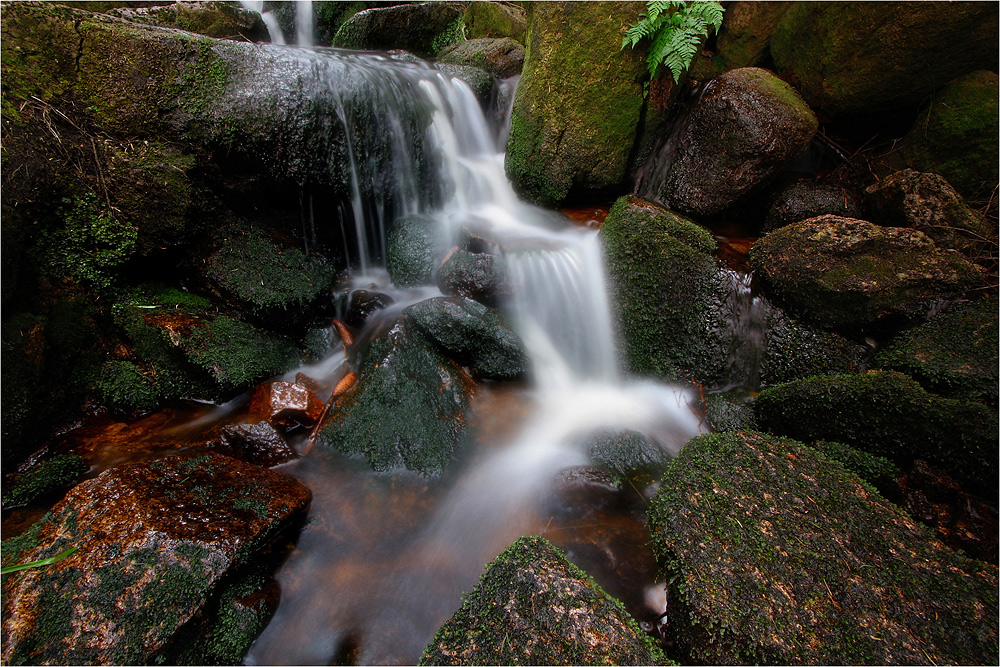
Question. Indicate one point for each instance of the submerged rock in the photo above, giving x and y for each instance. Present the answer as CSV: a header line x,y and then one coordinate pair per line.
x,y
502,57
927,202
856,57
807,199
421,28
578,104
259,444
152,541
852,274
534,607
777,555
887,414
954,353
363,304
957,135
746,127
407,408
626,455
471,334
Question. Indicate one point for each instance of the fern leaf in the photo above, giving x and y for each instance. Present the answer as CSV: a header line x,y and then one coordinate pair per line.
x,y
709,13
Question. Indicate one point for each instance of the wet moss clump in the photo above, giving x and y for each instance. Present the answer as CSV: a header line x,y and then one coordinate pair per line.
x,y
413,251
887,414
666,287
953,353
534,607
43,477
775,554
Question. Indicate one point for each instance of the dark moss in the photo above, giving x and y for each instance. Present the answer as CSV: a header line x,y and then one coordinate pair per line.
x,y
953,353
887,414
43,477
730,411
126,389
878,471
776,555
534,607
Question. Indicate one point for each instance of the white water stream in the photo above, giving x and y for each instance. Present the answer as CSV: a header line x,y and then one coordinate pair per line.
x,y
348,594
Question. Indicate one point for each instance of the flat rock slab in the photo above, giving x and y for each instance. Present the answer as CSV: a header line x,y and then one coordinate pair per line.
x,y
779,556
534,607
153,540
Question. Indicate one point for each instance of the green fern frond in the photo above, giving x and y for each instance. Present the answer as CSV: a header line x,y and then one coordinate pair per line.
x,y
677,29
708,13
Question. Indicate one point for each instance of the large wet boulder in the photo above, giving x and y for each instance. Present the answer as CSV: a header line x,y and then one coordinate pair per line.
x,y
777,555
420,28
471,334
407,408
954,353
481,276
151,543
851,274
413,250
534,607
854,56
502,57
214,19
496,20
929,203
664,282
801,200
746,127
888,414
578,105
957,135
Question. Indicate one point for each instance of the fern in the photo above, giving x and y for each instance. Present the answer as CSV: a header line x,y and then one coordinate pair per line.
x,y
676,29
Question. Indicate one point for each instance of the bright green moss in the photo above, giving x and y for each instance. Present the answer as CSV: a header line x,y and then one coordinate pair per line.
x,y
125,389
43,477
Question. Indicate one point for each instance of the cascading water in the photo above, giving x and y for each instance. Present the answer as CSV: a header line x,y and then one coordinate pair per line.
x,y
365,584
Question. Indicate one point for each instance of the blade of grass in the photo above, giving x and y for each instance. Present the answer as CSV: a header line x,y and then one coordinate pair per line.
x,y
38,563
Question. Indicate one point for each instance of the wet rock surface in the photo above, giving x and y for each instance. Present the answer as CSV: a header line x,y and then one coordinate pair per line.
x,y
477,276
746,127
413,251
841,272
807,199
260,444
152,540
778,555
285,404
532,607
887,414
214,19
362,304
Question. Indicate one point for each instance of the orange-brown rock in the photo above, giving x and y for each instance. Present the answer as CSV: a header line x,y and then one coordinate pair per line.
x,y
285,404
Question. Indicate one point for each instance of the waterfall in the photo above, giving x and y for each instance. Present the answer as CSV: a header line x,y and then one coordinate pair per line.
x,y
560,308
270,20
304,23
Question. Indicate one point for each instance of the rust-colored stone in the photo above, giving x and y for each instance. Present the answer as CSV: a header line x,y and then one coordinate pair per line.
x,y
285,404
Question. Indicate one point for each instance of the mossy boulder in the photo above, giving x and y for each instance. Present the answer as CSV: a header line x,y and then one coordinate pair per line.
x,y
279,285
954,353
41,478
495,20
414,248
957,135
801,200
407,408
479,276
578,105
213,19
184,348
152,541
852,57
929,203
471,334
534,607
887,414
627,455
421,28
777,555
664,283
852,274
745,128
502,57
745,35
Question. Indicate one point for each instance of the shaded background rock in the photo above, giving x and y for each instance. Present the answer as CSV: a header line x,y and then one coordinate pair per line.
x,y
495,19
422,28
768,543
531,607
260,444
502,57
153,540
804,199
214,19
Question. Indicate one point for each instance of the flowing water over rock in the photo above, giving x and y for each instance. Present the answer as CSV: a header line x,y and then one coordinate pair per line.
x,y
383,559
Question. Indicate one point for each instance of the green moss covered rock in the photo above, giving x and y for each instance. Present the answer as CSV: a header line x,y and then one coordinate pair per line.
x,y
853,57
578,104
502,57
534,607
851,274
953,353
471,334
746,127
43,477
421,28
777,555
152,542
495,20
214,19
957,135
407,409
887,414
664,282
745,36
